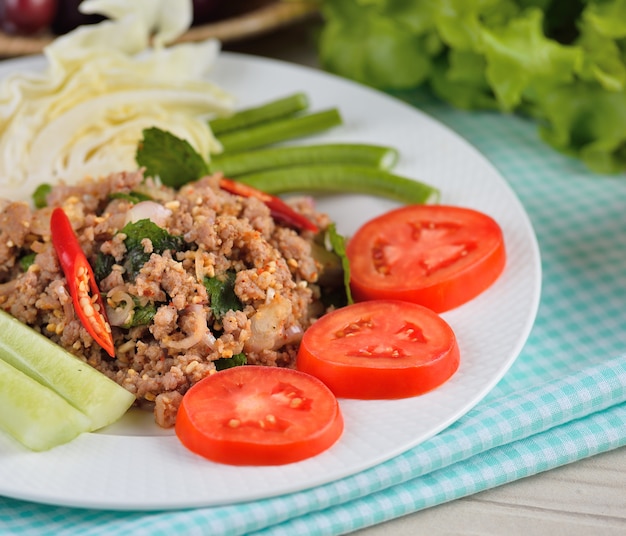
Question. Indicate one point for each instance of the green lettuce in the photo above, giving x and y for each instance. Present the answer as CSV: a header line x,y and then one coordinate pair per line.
x,y
561,62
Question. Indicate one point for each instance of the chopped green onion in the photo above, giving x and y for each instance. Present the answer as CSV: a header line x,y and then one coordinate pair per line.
x,y
40,194
279,130
233,165
342,179
26,261
259,114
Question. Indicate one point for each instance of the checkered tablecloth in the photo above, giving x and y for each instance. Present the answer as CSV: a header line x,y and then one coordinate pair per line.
x,y
563,399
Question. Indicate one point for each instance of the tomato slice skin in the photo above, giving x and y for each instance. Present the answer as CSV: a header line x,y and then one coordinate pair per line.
x,y
380,349
439,256
257,415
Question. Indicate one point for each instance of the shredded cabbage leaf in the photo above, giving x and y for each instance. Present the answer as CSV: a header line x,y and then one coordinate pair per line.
x,y
102,86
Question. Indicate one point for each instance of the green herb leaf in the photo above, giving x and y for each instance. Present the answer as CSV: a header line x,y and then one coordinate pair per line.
x,y
142,314
161,240
103,266
222,294
338,245
170,158
237,360
133,197
26,261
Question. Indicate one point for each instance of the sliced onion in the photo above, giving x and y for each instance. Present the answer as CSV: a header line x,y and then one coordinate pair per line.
x,y
199,333
209,339
122,313
292,334
66,301
268,325
269,296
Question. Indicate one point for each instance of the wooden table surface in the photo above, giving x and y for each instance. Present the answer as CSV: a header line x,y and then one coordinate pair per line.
x,y
584,498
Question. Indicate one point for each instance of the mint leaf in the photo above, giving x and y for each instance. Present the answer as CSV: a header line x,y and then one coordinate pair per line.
x,y
142,314
103,265
170,158
161,240
222,294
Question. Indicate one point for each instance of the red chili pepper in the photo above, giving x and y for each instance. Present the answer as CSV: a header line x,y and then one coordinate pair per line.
x,y
81,282
280,210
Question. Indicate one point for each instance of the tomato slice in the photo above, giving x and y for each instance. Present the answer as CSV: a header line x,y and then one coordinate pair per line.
x,y
380,349
256,415
439,256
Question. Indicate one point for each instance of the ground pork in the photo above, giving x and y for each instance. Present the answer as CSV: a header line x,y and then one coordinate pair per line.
x,y
169,329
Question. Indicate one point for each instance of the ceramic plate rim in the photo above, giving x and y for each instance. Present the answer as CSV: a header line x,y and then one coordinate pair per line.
x,y
87,486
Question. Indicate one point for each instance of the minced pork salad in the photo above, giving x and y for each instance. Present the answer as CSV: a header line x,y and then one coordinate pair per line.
x,y
193,280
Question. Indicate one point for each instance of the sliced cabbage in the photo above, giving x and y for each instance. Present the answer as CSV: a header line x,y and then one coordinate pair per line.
x,y
103,84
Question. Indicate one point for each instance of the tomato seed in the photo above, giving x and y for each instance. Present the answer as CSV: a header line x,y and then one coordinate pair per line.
x,y
295,403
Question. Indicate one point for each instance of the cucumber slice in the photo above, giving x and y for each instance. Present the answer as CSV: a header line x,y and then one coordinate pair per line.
x,y
35,415
85,388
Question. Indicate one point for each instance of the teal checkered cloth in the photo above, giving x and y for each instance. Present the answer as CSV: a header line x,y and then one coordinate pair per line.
x,y
563,399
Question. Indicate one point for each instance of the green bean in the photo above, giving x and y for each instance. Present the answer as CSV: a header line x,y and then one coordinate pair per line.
x,y
279,130
258,114
342,179
233,165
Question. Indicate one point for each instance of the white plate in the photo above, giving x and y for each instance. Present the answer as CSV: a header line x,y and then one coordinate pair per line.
x,y
132,465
